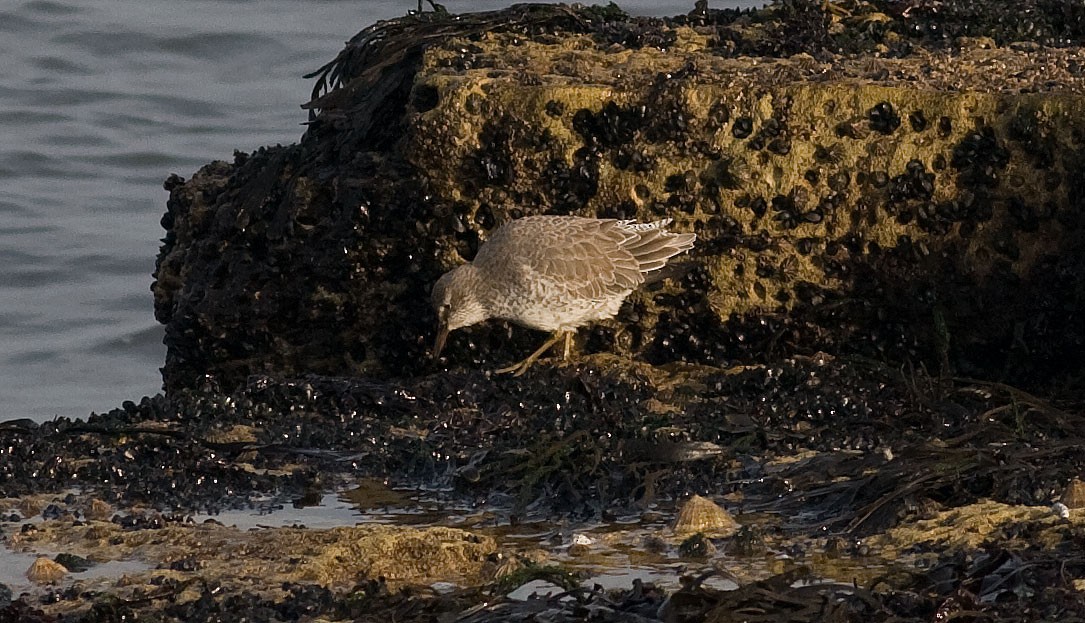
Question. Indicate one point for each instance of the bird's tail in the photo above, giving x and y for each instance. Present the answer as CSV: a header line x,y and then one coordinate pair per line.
x,y
652,245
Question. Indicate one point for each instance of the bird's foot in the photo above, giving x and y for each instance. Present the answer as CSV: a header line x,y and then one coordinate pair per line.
x,y
516,369
519,368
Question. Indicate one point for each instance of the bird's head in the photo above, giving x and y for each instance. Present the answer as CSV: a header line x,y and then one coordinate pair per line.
x,y
456,301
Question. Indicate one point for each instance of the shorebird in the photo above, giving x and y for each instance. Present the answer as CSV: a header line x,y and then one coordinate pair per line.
x,y
553,273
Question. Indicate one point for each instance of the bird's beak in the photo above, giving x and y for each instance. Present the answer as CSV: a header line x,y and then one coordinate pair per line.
x,y
442,335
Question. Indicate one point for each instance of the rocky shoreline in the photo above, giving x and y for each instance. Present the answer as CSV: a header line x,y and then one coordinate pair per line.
x,y
869,359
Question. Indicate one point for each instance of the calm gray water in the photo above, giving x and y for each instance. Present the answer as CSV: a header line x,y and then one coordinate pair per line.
x,y
100,100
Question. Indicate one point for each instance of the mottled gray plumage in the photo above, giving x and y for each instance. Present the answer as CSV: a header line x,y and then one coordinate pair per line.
x,y
553,273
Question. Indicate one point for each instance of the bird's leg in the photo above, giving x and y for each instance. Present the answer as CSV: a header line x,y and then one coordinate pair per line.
x,y
568,345
520,368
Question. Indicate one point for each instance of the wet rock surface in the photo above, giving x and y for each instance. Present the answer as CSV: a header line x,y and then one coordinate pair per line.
x,y
870,360
853,458
876,186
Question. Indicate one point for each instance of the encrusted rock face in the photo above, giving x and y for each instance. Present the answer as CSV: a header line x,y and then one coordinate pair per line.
x,y
909,202
896,220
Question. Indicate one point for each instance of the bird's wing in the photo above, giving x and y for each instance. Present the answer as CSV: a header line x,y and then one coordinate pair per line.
x,y
583,257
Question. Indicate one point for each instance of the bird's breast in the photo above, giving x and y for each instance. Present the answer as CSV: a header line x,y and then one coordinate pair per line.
x,y
552,309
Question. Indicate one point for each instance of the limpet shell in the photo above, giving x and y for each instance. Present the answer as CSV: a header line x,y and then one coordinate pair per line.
x,y
45,571
1074,495
700,514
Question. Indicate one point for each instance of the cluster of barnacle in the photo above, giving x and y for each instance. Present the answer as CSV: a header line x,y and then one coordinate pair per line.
x,y
494,160
302,601
1025,216
721,173
507,152
1048,22
570,185
1030,130
742,128
770,131
719,115
466,57
980,157
635,33
918,120
884,118
692,334
614,131
788,210
293,324
796,27
611,127
834,263
611,131
820,395
757,205
915,184
772,134
682,188
823,397
668,120
157,470
717,234
938,217
634,157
